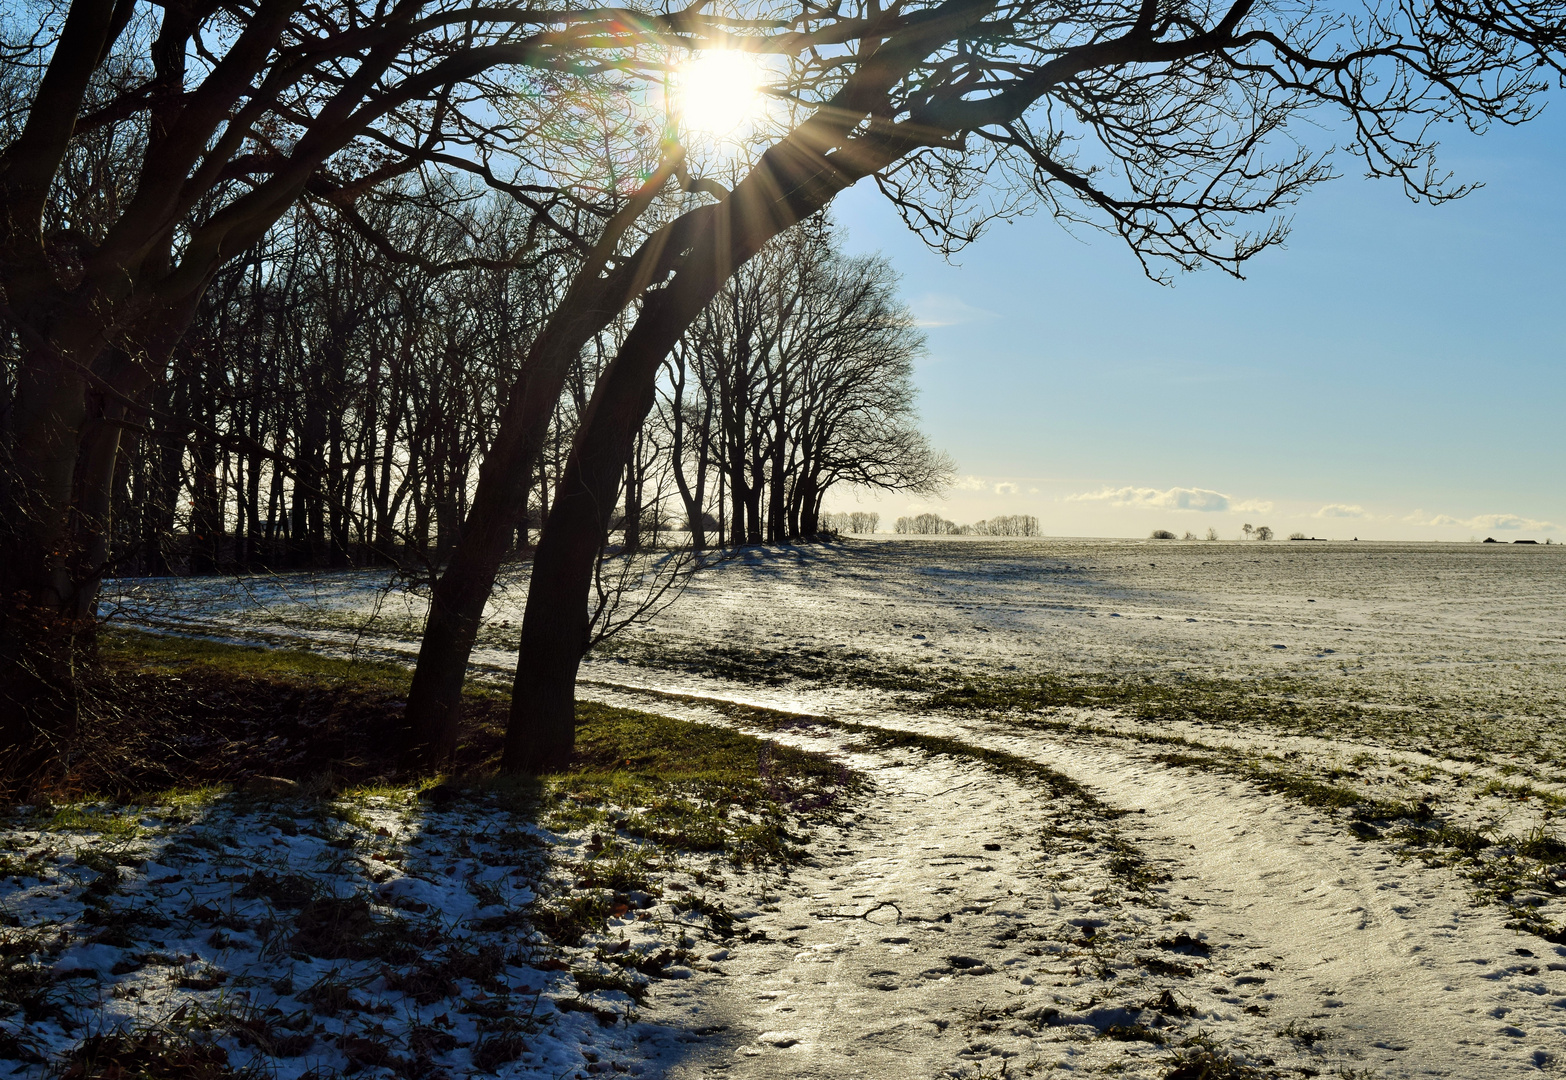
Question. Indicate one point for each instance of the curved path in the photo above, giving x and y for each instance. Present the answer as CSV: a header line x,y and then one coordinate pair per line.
x,y
1388,956
1328,952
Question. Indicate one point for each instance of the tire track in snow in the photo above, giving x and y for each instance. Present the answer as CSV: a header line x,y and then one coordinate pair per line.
x,y
1389,958
1394,955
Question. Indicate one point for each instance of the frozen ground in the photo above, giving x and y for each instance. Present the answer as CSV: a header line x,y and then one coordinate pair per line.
x,y
1399,674
379,934
1327,953
1473,627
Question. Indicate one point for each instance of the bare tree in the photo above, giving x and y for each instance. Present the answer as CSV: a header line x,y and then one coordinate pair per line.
x,y
142,154
927,525
856,522
802,380
1164,126
1004,525
214,122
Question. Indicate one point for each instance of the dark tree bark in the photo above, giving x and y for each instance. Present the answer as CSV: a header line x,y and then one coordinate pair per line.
x,y
499,498
793,180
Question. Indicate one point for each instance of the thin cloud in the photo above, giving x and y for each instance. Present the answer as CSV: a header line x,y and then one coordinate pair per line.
x,y
1006,488
1341,510
1483,522
944,309
1203,500
972,483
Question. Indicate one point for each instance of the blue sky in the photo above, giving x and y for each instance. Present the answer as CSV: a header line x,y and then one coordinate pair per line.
x,y
1397,371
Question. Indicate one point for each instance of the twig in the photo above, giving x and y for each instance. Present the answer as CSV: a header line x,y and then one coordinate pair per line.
x,y
865,915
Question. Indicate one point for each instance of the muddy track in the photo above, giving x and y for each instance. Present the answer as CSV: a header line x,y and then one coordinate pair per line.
x,y
1328,953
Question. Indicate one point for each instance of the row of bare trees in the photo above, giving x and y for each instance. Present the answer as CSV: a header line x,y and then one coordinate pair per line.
x,y
856,522
796,378
328,407
144,150
928,524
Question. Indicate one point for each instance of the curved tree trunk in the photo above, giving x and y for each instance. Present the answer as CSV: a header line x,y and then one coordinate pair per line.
x,y
457,605
542,728
794,180
429,738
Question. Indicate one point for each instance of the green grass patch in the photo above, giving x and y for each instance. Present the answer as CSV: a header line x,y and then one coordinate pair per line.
x,y
1014,765
691,787
1470,725
107,823
177,720
611,742
124,647
1523,791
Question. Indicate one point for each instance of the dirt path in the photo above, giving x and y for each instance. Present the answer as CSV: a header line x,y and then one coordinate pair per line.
x,y
1389,957
1327,952
860,975
938,933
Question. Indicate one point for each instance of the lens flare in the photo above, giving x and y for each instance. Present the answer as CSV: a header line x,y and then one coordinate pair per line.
x,y
718,91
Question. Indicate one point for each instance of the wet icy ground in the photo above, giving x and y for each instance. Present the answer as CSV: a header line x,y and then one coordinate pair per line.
x,y
1376,962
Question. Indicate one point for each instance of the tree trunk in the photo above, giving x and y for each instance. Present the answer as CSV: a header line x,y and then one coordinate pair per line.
x,y
542,727
457,604
633,501
339,485
206,521
527,484
793,180
41,604
811,516
167,450
448,524
253,502
777,495
801,520
737,500
308,528
429,737
753,533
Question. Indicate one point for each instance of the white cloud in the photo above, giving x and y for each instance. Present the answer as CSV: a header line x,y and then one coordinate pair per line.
x,y
1006,488
971,483
1482,522
1341,510
943,309
1175,498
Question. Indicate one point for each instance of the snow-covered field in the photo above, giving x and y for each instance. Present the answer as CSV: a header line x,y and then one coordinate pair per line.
x,y
1476,626
1382,676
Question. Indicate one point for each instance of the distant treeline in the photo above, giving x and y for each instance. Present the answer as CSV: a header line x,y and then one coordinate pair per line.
x,y
935,525
856,522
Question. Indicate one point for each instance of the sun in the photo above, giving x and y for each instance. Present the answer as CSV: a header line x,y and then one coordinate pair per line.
x,y
717,91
